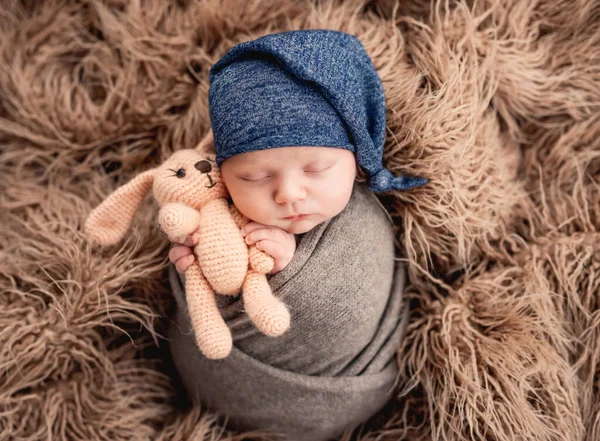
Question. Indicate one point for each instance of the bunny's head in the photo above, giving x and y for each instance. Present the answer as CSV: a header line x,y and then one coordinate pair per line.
x,y
189,176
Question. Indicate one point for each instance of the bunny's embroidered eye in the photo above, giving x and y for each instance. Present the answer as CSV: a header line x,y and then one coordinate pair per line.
x,y
180,173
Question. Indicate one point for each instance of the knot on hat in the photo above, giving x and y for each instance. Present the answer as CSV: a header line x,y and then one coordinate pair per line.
x,y
384,180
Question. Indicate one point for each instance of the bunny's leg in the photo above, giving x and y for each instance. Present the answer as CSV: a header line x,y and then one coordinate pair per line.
x,y
212,334
269,314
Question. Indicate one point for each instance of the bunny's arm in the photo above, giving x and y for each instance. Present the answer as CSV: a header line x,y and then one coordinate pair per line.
x,y
240,220
260,261
178,221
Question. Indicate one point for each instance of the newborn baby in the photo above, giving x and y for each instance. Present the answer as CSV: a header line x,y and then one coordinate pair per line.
x,y
294,116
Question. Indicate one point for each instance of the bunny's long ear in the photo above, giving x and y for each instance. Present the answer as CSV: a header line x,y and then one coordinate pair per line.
x,y
109,221
207,145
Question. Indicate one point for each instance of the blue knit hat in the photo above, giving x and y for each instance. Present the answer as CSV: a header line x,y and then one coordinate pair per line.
x,y
302,88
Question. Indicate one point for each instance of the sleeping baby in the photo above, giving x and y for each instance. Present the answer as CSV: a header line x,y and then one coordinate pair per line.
x,y
295,117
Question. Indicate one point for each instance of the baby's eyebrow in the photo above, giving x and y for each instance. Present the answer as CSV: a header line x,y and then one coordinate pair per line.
x,y
256,168
251,168
254,171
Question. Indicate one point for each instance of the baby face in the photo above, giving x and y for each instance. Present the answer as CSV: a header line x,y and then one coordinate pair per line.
x,y
292,188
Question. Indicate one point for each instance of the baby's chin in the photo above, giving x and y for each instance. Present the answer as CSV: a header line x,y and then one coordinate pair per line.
x,y
300,227
294,227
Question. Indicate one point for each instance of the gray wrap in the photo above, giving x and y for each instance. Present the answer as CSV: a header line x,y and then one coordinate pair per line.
x,y
335,366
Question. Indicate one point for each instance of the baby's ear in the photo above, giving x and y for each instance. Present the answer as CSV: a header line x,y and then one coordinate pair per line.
x,y
207,145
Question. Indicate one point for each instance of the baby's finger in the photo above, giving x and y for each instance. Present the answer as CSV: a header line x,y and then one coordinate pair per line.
x,y
272,248
252,226
179,251
191,241
184,263
256,235
262,234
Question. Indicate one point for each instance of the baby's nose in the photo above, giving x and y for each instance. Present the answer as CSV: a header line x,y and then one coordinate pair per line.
x,y
204,166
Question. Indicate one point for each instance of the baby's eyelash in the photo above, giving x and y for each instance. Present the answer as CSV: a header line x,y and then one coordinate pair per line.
x,y
252,179
318,169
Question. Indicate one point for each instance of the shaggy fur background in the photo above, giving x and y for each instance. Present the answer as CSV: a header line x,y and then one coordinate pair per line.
x,y
497,101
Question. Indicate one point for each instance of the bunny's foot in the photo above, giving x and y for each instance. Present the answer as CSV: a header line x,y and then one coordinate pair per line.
x,y
213,337
214,347
269,314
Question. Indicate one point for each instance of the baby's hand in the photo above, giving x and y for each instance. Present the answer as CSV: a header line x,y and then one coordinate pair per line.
x,y
274,241
182,255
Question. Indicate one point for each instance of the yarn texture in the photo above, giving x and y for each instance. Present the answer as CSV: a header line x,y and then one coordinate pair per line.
x,y
193,198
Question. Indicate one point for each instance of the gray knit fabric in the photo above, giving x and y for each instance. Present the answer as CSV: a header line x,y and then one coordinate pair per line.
x,y
335,366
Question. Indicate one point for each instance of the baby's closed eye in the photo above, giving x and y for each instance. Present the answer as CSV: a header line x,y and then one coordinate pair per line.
x,y
318,167
255,178
315,170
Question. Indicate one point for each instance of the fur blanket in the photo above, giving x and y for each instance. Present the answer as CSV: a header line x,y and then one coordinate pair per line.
x,y
496,101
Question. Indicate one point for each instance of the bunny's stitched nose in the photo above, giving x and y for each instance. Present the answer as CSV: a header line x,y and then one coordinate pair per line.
x,y
204,166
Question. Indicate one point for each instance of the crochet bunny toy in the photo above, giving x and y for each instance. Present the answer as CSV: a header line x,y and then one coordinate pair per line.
x,y
193,198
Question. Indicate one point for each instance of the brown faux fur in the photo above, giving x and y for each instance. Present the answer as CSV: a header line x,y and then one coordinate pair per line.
x,y
496,101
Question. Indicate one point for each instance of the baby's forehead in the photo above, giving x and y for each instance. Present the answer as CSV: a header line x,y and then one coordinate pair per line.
x,y
279,159
292,153
287,155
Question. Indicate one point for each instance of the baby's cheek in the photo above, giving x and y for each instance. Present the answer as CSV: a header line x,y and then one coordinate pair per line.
x,y
259,209
334,203
244,202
